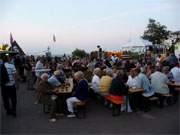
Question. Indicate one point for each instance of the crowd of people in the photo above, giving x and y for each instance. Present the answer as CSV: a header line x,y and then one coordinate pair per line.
x,y
112,75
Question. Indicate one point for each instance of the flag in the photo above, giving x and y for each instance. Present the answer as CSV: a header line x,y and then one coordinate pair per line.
x,y
54,38
16,48
11,38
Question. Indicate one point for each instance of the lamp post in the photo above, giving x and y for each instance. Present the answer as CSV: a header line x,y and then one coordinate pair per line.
x,y
99,51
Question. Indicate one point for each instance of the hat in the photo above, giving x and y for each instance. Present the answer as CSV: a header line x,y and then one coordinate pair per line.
x,y
57,73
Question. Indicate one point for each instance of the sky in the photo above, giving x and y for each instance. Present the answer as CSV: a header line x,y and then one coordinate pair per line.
x,y
81,24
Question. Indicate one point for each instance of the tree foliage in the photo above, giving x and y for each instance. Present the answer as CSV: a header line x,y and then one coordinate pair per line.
x,y
79,53
155,32
4,47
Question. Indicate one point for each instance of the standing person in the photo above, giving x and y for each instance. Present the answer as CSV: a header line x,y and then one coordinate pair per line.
x,y
80,95
28,73
39,65
8,72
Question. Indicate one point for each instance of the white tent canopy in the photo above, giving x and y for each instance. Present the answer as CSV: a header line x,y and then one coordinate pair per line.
x,y
138,42
136,45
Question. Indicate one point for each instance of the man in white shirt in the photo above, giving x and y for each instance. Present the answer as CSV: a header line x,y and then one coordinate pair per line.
x,y
159,83
9,88
132,79
176,73
96,79
39,65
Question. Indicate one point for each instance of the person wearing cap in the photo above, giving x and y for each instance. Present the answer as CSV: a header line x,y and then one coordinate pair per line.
x,y
53,80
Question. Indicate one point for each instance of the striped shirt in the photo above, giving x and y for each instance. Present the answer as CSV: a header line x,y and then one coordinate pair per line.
x,y
11,70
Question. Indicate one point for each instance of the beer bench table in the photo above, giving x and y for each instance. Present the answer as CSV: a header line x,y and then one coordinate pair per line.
x,y
135,90
132,91
175,85
65,88
63,92
116,104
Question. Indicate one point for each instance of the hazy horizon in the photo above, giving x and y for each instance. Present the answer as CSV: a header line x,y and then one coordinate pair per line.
x,y
81,24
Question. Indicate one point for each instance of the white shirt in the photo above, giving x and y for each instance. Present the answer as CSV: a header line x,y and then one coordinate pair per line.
x,y
176,74
95,83
54,81
11,70
132,82
39,65
159,82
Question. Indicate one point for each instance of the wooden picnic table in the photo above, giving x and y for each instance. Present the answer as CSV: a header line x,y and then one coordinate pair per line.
x,y
65,88
176,85
135,90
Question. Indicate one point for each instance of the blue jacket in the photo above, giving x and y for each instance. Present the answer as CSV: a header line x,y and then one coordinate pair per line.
x,y
81,91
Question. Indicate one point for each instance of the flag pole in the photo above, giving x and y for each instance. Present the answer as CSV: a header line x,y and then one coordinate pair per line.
x,y
54,40
11,41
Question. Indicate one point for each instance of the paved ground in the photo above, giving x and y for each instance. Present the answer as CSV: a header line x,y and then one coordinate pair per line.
x,y
31,120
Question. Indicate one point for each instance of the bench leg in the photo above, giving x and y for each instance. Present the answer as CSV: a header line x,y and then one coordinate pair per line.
x,y
169,100
81,112
116,110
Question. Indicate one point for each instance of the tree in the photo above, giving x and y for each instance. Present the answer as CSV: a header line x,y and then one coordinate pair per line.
x,y
79,53
155,32
4,47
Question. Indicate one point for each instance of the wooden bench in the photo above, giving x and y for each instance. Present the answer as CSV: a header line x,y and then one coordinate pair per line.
x,y
80,109
102,96
168,98
167,95
116,105
153,98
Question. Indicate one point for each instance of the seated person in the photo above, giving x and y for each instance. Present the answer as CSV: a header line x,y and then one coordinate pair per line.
x,y
62,76
106,81
176,73
143,82
44,89
118,86
45,92
132,79
159,83
96,80
53,80
80,93
166,71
